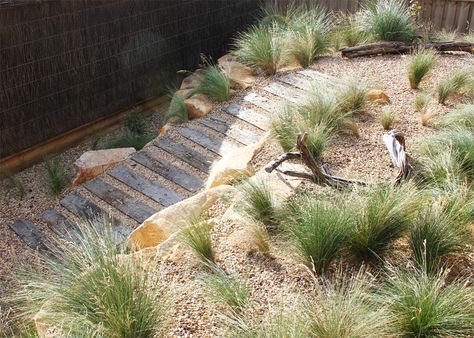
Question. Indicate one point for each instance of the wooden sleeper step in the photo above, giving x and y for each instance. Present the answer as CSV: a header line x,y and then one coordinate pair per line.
x,y
32,235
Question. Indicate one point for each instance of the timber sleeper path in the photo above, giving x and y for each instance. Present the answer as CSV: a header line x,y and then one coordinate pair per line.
x,y
132,191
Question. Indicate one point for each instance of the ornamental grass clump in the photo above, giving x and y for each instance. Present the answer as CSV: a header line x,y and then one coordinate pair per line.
x,y
56,178
447,156
461,79
90,288
388,20
197,236
427,305
383,215
224,288
387,119
350,32
214,83
258,203
419,65
440,230
345,308
421,101
318,230
461,117
262,48
308,36
177,111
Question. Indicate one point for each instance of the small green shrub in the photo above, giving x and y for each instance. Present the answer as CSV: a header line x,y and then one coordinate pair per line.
x,y
388,20
177,111
421,101
261,48
461,79
258,203
12,182
387,119
345,308
440,230
226,289
91,289
461,117
56,178
197,236
308,36
419,65
384,215
318,232
425,305
214,83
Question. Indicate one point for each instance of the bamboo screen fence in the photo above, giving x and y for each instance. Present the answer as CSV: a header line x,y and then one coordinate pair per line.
x,y
65,63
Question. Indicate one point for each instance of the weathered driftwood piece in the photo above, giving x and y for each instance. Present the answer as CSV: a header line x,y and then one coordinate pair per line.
x,y
394,47
395,143
319,174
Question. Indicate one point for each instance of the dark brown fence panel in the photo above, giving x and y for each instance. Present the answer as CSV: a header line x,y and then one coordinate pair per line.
x,y
66,63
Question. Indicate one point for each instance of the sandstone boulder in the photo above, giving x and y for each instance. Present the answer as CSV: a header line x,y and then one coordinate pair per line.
x,y
94,163
159,227
378,96
240,75
191,81
237,163
198,106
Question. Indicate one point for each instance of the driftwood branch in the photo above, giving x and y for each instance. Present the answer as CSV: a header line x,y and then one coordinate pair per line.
x,y
394,47
395,143
319,174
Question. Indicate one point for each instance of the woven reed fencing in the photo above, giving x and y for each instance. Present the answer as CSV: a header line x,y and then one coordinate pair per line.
x,y
66,63
440,14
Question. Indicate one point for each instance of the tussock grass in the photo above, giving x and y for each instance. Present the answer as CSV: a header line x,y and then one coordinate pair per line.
x,y
388,20
447,156
425,305
387,119
461,79
226,289
350,31
321,116
261,48
135,123
308,36
421,101
345,308
419,65
461,117
385,214
259,205
197,236
56,178
318,231
440,230
214,83
11,181
177,111
259,239
89,288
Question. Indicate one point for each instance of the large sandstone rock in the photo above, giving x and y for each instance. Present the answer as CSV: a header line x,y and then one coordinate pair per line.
x,y
191,81
198,106
234,165
159,227
378,96
95,162
240,75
